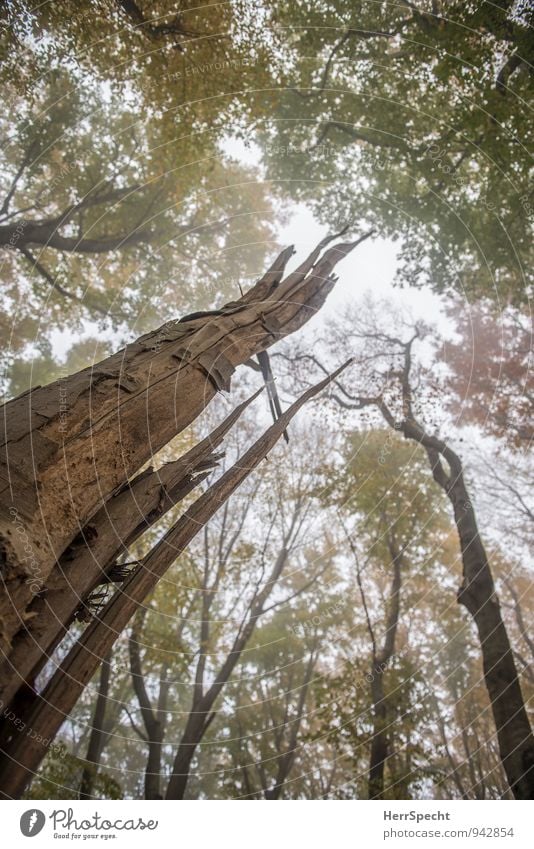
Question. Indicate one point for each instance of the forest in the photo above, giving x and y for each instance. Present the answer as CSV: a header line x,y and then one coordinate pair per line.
x,y
266,513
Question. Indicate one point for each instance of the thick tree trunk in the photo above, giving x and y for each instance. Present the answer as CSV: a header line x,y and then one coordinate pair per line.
x,y
91,557
23,754
98,736
68,447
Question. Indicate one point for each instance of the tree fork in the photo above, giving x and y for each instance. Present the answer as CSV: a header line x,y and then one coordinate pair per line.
x,y
478,595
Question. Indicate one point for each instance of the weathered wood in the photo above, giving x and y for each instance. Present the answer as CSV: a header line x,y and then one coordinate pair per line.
x,y
23,753
57,465
91,556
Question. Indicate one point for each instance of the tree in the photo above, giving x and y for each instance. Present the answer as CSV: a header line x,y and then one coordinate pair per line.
x,y
381,486
382,342
273,307
285,529
94,225
477,593
490,381
99,731
412,117
116,197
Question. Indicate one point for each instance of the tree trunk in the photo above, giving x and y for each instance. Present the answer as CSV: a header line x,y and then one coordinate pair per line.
x,y
98,736
201,713
477,594
69,446
23,754
287,758
380,739
90,559
196,727
153,719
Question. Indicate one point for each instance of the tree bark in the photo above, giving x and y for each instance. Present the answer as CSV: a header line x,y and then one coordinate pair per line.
x,y
92,555
70,446
23,754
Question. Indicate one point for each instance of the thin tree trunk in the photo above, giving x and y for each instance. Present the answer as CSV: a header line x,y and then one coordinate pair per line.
x,y
287,758
98,736
380,740
477,594
153,718
520,619
201,713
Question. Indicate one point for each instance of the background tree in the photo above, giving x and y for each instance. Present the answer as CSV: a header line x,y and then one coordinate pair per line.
x,y
411,117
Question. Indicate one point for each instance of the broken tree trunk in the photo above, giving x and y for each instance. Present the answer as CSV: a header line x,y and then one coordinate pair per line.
x,y
68,447
91,558
24,751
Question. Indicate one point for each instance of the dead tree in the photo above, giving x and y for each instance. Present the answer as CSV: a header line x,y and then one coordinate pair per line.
x,y
70,450
23,753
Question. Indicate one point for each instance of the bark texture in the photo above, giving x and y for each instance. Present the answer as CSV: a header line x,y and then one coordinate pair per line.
x,y
68,447
91,558
23,754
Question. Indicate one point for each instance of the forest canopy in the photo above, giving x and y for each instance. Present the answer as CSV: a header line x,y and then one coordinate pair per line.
x,y
266,489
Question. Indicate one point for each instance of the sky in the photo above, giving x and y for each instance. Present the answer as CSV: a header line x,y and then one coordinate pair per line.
x,y
370,267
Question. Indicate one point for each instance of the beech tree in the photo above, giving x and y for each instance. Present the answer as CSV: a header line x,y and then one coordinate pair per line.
x,y
412,115
396,400
382,343
490,374
94,227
